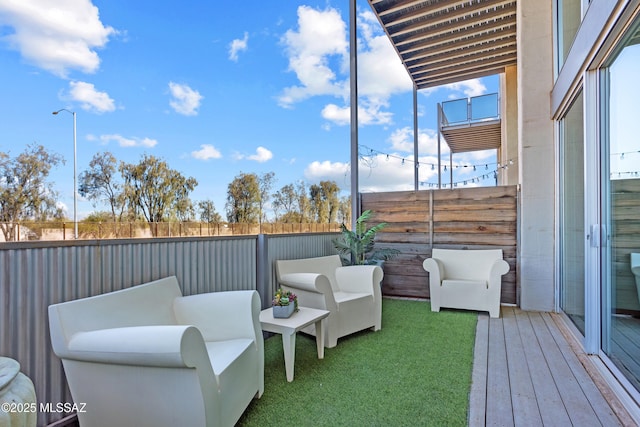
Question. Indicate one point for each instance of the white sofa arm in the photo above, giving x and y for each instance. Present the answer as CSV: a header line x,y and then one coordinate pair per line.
x,y
359,278
435,269
498,269
238,311
313,290
163,346
309,282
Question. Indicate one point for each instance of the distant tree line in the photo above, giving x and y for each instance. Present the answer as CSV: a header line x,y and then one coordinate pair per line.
x,y
153,192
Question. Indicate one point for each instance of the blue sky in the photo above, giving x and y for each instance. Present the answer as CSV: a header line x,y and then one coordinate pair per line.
x,y
216,89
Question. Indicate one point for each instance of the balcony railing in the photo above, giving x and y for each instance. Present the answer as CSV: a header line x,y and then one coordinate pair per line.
x,y
470,110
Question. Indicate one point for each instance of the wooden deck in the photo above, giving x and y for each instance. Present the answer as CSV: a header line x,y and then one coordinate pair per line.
x,y
526,373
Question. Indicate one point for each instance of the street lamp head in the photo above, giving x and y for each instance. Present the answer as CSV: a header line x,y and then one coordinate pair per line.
x,y
63,109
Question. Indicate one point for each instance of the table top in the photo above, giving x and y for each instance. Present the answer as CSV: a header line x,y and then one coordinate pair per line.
x,y
298,320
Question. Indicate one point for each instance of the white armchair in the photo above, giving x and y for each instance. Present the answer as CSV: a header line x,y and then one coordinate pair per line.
x,y
147,356
466,279
351,294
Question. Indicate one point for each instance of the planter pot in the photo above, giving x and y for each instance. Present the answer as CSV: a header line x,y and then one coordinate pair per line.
x,y
16,389
283,311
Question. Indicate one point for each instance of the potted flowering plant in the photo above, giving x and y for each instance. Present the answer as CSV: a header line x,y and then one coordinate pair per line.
x,y
284,303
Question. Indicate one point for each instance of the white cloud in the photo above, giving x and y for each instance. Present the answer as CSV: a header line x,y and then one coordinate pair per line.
x,y
331,171
262,155
128,142
379,173
463,89
321,37
318,52
402,140
367,114
236,46
469,88
185,100
336,114
206,152
56,36
91,99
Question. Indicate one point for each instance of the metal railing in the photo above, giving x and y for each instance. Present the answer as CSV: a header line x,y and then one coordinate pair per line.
x,y
34,275
469,110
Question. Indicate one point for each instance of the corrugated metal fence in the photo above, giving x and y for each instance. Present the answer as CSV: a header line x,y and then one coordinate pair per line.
x,y
34,275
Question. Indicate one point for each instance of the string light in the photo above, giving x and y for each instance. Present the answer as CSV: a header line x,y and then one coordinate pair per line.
x,y
371,152
494,175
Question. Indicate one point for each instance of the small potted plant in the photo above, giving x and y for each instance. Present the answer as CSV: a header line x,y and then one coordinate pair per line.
x,y
284,303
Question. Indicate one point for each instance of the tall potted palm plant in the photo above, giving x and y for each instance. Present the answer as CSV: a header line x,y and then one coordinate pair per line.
x,y
357,247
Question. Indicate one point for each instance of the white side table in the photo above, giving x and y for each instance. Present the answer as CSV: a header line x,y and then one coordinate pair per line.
x,y
299,320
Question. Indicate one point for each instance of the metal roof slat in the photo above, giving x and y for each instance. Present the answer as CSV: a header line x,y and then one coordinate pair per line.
x,y
447,19
458,50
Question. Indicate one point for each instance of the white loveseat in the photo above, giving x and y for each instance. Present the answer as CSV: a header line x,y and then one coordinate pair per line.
x,y
351,294
466,279
147,356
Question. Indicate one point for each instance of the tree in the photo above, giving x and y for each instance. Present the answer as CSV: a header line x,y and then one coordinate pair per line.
x,y
344,210
25,193
208,212
285,200
243,199
293,201
265,182
99,184
302,201
156,190
324,201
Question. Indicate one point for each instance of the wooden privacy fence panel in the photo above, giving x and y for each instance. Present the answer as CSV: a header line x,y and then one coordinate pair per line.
x,y
466,218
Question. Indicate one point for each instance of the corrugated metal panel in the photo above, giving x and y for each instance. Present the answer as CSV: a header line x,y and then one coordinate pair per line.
x,y
34,275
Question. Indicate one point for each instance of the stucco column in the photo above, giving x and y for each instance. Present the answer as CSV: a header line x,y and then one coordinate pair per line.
x,y
509,115
536,155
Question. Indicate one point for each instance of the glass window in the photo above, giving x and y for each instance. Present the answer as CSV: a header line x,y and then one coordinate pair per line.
x,y
620,197
568,20
572,230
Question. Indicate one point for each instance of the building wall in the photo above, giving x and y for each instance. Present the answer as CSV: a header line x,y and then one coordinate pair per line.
x,y
509,114
536,155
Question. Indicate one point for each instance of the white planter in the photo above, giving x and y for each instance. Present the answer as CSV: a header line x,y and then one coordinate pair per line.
x,y
283,311
16,390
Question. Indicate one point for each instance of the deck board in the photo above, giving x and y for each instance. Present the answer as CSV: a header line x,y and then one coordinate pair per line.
x,y
525,405
527,374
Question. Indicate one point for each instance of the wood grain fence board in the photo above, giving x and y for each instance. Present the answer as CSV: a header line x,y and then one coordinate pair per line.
x,y
469,218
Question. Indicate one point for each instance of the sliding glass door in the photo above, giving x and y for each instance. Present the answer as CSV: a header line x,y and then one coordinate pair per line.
x,y
572,230
620,209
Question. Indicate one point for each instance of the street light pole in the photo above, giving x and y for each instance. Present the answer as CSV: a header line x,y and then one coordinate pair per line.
x,y
75,175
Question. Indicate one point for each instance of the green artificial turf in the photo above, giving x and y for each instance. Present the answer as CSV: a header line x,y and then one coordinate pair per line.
x,y
415,371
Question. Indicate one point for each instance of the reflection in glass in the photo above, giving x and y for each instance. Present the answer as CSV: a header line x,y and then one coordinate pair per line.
x,y
621,199
569,17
